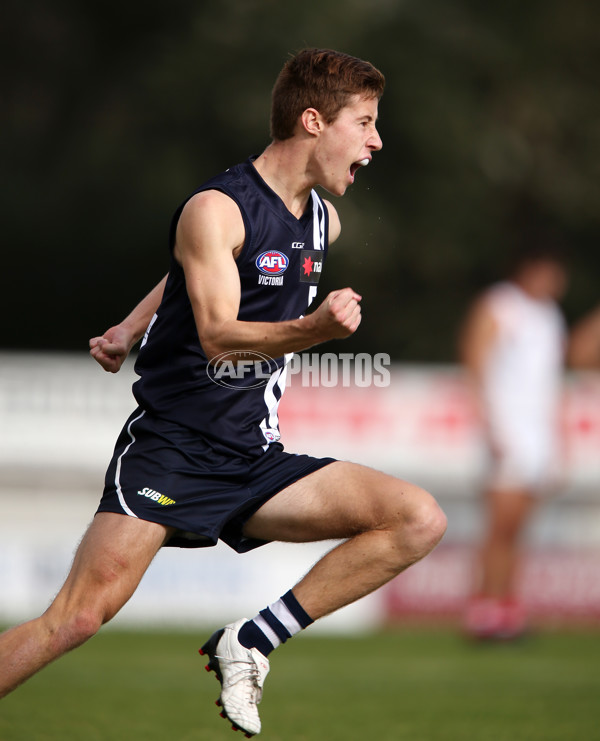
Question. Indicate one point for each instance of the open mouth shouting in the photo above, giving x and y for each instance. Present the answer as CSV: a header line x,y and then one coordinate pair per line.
x,y
355,165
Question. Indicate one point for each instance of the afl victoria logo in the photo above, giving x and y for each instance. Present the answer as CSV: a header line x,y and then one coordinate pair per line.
x,y
272,262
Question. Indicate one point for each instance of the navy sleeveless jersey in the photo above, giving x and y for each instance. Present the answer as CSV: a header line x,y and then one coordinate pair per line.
x,y
234,406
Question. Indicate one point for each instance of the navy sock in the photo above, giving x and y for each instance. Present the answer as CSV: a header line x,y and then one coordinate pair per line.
x,y
251,636
275,624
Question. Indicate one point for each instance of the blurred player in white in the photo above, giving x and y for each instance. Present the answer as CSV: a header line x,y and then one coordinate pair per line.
x,y
513,346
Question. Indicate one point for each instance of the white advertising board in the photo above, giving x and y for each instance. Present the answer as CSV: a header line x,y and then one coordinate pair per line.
x,y
60,416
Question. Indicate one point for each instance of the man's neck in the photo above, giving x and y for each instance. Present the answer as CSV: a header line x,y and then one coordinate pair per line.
x,y
283,167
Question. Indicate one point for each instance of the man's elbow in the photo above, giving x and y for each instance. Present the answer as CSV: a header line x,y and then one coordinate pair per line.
x,y
213,348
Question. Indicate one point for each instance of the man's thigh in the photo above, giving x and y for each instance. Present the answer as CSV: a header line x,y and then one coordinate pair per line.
x,y
110,561
337,501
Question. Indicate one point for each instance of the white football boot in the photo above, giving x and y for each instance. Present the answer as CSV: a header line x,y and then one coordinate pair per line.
x,y
242,673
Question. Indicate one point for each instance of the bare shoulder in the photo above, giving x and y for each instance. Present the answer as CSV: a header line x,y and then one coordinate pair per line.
x,y
335,226
209,204
482,305
479,318
481,312
210,217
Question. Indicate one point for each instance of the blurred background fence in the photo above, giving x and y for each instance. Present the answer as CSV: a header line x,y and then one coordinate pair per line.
x,y
111,116
59,418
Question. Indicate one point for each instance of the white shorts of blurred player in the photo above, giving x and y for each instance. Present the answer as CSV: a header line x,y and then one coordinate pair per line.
x,y
525,457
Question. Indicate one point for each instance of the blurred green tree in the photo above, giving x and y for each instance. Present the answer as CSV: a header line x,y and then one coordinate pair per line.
x,y
113,113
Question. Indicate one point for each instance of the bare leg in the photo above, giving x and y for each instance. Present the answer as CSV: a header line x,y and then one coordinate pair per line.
x,y
110,561
493,612
508,513
388,523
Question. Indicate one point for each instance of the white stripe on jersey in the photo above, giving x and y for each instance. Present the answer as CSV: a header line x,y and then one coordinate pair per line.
x,y
271,422
318,235
318,222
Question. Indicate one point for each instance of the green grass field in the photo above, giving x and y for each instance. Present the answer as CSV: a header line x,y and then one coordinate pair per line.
x,y
418,685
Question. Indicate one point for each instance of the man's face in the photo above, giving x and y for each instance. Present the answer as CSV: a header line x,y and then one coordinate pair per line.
x,y
351,138
546,278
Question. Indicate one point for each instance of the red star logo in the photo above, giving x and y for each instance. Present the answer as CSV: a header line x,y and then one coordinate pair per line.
x,y
308,265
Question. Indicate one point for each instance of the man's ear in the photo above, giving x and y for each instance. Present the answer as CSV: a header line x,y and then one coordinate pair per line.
x,y
311,121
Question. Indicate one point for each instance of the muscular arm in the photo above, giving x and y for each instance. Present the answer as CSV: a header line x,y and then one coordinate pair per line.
x,y
111,349
335,227
477,337
210,235
584,342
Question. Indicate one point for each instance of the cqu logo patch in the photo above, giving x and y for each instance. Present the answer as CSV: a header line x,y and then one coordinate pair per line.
x,y
272,262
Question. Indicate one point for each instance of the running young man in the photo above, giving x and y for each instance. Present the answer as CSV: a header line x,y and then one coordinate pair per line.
x,y
200,461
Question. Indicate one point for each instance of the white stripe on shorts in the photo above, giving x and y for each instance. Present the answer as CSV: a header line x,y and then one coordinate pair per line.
x,y
118,471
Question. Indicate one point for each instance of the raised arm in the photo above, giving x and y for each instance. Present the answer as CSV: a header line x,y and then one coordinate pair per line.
x,y
210,235
477,337
111,349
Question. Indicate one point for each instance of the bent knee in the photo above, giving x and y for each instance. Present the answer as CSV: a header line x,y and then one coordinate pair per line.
x,y
435,521
425,523
73,629
85,624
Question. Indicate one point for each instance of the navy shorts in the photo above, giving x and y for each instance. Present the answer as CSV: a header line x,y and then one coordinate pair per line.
x,y
165,473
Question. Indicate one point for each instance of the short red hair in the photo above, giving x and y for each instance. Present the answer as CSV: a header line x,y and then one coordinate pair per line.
x,y
322,79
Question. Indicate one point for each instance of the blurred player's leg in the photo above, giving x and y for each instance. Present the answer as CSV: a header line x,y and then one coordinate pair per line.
x,y
508,514
494,611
